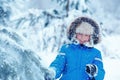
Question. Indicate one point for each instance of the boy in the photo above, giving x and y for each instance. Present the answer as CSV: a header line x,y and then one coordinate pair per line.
x,y
79,60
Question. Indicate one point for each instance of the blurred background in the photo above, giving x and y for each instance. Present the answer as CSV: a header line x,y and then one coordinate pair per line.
x,y
40,25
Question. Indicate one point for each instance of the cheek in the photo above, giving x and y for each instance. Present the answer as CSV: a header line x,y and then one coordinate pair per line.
x,y
78,37
87,38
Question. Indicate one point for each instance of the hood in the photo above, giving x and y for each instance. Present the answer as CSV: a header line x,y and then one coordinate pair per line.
x,y
77,22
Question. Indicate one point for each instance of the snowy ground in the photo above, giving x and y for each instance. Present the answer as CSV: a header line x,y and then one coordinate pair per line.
x,y
112,69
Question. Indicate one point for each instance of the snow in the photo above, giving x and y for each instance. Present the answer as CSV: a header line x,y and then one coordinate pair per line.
x,y
24,30
112,69
111,45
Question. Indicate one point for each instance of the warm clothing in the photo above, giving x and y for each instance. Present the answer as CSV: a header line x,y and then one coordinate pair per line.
x,y
71,62
95,37
85,28
72,59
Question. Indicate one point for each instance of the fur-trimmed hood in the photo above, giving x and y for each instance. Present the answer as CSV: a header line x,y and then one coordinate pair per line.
x,y
77,22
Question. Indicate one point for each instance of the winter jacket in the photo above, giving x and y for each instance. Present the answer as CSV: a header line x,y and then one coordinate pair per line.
x,y
71,61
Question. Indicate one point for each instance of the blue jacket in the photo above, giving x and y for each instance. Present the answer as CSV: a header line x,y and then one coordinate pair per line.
x,y
72,59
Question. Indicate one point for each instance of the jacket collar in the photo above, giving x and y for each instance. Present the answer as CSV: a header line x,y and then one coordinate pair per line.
x,y
81,46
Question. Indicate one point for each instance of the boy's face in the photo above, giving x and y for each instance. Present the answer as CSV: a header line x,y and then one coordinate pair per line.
x,y
82,38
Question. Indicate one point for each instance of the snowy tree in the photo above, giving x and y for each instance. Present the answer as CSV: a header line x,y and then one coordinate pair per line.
x,y
17,62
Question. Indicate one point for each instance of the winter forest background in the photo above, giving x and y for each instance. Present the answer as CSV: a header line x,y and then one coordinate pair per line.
x,y
31,32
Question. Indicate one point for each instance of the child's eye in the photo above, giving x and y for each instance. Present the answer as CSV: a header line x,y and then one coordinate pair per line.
x,y
87,35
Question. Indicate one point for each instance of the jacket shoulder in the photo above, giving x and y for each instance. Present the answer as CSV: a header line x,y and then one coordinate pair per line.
x,y
96,50
65,46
